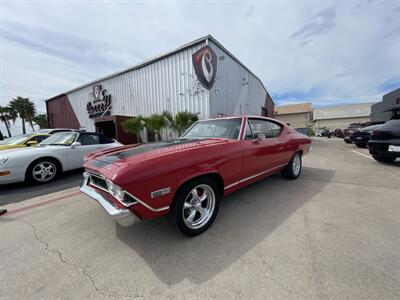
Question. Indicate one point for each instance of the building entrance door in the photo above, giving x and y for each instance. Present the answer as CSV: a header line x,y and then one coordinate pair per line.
x,y
107,128
111,126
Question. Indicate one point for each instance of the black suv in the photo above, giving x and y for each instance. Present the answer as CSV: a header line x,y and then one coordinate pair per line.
x,y
361,137
384,143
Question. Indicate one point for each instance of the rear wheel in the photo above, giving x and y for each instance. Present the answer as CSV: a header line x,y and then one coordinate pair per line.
x,y
42,170
384,158
293,168
196,206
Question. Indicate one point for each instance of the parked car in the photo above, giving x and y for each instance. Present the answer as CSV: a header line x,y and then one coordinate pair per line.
x,y
23,140
60,152
384,143
186,177
55,130
361,137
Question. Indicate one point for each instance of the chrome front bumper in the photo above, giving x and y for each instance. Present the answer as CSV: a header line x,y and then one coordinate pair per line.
x,y
124,217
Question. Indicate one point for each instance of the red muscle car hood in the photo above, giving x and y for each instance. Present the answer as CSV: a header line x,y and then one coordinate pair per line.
x,y
132,154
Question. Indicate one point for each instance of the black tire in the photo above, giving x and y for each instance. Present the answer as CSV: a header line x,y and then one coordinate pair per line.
x,y
384,158
361,145
348,141
291,171
52,172
184,197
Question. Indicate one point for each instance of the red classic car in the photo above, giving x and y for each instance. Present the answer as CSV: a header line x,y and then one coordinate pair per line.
x,y
187,176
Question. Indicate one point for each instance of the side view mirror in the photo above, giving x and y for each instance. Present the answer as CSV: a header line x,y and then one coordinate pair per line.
x,y
75,144
31,143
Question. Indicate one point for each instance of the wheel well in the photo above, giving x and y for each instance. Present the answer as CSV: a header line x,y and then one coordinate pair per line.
x,y
49,158
215,176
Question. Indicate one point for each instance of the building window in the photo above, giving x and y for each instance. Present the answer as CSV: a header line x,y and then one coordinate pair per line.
x,y
398,101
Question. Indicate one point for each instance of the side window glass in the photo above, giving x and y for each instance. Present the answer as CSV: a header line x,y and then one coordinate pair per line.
x,y
276,129
248,134
105,140
41,138
88,139
264,129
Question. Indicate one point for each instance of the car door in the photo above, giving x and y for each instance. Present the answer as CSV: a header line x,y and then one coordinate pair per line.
x,y
260,147
90,142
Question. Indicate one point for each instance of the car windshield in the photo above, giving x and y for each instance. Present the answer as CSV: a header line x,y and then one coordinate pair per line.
x,y
15,140
61,139
218,128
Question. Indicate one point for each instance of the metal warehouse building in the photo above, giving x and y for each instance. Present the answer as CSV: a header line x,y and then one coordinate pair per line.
x,y
340,116
201,77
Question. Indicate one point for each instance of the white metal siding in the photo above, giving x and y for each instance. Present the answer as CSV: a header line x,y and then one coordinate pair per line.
x,y
236,91
168,84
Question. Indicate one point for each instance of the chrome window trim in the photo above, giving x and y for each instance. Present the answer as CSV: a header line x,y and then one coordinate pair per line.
x,y
252,176
241,129
129,194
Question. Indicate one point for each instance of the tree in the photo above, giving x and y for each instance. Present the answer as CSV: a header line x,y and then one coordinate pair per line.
x,y
134,126
7,114
31,113
156,123
169,121
183,120
25,109
40,120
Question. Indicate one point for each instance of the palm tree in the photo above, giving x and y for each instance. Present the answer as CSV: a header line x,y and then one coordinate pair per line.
x,y
156,123
30,113
7,114
183,120
40,120
134,126
169,121
25,109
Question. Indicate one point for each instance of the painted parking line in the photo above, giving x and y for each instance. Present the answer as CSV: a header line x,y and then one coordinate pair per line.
x,y
28,207
362,154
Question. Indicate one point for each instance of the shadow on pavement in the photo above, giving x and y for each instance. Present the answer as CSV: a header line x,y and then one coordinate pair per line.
x,y
12,193
245,219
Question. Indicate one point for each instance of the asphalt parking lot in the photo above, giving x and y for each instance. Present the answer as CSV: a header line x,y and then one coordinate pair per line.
x,y
331,234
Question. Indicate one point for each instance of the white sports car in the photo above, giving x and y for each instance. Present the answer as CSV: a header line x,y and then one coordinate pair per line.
x,y
60,152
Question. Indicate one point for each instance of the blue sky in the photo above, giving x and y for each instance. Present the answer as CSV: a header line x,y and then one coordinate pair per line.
x,y
326,52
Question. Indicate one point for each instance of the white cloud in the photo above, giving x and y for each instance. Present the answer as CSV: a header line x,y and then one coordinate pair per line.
x,y
327,52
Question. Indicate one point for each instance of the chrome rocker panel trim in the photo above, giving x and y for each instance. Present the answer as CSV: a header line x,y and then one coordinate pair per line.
x,y
253,176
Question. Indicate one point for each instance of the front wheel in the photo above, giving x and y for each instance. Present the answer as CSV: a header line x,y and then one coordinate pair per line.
x,y
42,171
196,206
361,145
383,158
293,168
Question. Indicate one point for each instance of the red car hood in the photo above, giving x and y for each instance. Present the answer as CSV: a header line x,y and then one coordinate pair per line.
x,y
138,153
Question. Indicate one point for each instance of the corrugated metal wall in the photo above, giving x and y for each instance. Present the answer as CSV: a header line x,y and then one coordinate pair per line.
x,y
236,91
168,84
171,84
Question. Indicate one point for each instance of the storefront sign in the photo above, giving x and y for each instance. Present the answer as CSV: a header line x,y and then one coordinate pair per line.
x,y
99,102
205,66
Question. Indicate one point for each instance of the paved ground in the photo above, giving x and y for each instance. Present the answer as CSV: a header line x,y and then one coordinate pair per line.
x,y
331,234
12,193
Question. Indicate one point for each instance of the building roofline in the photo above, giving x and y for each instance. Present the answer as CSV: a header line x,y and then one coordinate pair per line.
x,y
346,104
160,57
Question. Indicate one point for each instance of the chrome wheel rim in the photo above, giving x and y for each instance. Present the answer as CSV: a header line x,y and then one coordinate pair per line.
x,y
199,206
296,165
44,171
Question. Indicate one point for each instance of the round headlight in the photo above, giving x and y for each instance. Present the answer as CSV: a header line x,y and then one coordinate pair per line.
x,y
115,190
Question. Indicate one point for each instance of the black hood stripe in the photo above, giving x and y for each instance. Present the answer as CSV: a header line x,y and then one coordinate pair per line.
x,y
111,158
